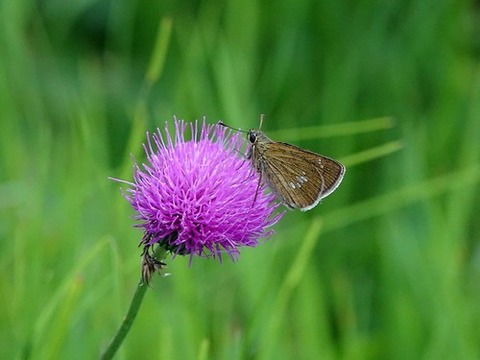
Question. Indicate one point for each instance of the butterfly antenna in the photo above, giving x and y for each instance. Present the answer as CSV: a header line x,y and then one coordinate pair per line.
x,y
262,116
221,123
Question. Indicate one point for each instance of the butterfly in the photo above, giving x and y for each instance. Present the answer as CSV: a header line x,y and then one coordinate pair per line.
x,y
299,178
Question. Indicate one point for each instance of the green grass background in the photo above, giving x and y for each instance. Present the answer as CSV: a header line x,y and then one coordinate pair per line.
x,y
386,268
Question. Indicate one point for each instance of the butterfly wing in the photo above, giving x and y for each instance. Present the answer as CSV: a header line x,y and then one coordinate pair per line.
x,y
299,177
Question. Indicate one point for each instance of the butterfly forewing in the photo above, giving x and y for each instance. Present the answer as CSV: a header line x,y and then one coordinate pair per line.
x,y
299,177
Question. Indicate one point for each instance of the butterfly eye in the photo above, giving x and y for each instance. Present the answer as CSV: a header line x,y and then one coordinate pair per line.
x,y
252,137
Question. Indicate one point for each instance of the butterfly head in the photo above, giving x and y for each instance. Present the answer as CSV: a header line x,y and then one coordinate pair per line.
x,y
257,137
252,136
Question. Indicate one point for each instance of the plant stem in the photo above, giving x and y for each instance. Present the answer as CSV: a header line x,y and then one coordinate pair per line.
x,y
127,321
130,317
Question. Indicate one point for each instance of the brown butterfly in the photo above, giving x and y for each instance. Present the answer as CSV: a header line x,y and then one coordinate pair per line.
x,y
300,178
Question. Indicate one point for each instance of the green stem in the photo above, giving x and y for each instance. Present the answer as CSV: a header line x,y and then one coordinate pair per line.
x,y
127,321
130,317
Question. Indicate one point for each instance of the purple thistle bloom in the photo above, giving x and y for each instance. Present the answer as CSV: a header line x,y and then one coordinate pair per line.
x,y
197,197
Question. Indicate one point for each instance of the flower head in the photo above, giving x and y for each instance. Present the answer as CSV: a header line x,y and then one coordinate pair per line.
x,y
200,196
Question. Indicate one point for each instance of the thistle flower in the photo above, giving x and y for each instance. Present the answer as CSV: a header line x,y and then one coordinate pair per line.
x,y
199,196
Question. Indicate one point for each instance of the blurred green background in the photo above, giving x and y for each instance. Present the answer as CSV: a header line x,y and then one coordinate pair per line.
x,y
386,268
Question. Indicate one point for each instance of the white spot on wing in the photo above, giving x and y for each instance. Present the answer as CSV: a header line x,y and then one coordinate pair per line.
x,y
302,179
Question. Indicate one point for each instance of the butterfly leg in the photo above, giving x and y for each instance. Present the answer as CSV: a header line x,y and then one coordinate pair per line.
x,y
258,188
